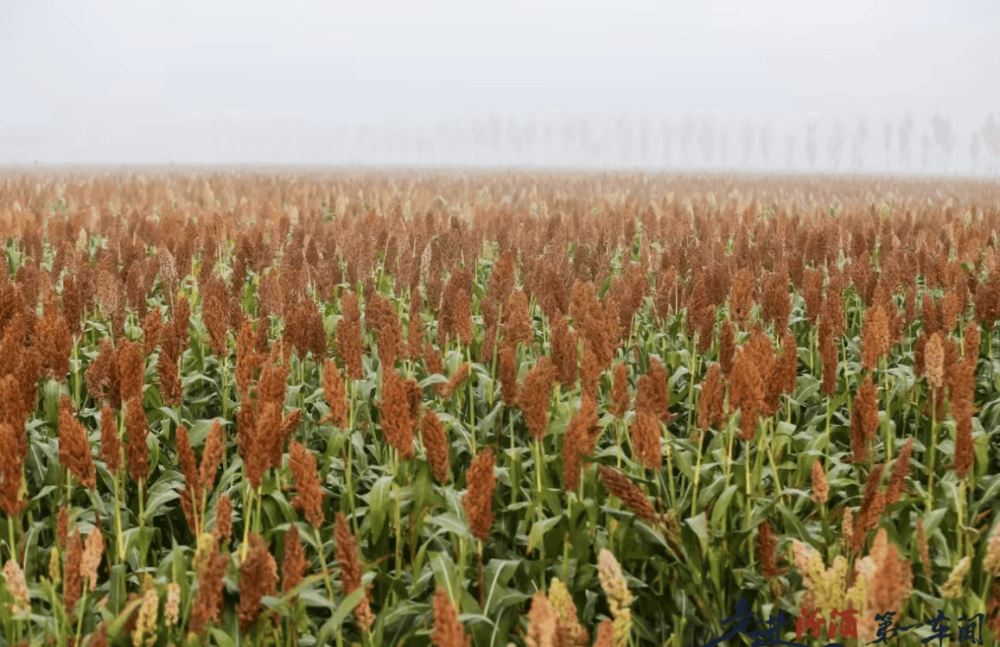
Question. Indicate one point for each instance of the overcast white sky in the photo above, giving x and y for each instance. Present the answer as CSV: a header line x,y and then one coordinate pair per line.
x,y
374,81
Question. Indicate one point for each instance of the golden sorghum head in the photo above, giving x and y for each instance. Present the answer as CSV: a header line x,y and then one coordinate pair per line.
x,y
436,446
805,556
590,374
570,632
821,490
533,397
828,353
448,630
335,394
110,443
397,425
767,544
347,555
565,351
171,387
455,382
954,588
349,336
54,570
351,570
542,622
205,608
415,326
667,292
970,344
934,360
612,579
414,397
826,588
146,624
293,566
517,326
508,376
152,323
864,420
712,402
257,440
875,338
288,426
847,528
609,572
309,499
192,481
925,553
478,500
652,394
258,577
172,609
872,505
900,470
727,346
380,316
12,500
620,400
100,637
456,307
433,361
605,634
132,369
207,544
645,430
991,562
73,582
746,392
622,487
223,529
53,339
889,583
92,551
812,292
741,295
16,586
74,449
579,439
776,305
136,451
211,458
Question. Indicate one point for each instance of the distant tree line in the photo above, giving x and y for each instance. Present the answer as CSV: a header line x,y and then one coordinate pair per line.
x,y
582,140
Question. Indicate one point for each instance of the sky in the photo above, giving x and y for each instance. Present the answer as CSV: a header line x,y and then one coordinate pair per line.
x,y
680,84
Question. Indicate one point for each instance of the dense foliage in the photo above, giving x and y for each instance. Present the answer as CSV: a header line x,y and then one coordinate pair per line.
x,y
291,408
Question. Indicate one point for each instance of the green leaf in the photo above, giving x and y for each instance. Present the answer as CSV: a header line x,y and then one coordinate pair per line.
x,y
451,523
222,638
538,530
722,506
118,624
434,378
699,525
199,431
314,599
378,503
933,519
161,493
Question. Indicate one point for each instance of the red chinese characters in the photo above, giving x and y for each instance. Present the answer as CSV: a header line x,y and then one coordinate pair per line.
x,y
842,623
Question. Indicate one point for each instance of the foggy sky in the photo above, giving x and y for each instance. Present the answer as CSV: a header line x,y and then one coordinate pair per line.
x,y
723,83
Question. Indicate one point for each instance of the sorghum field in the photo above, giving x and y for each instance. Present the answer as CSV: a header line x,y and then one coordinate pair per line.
x,y
294,408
